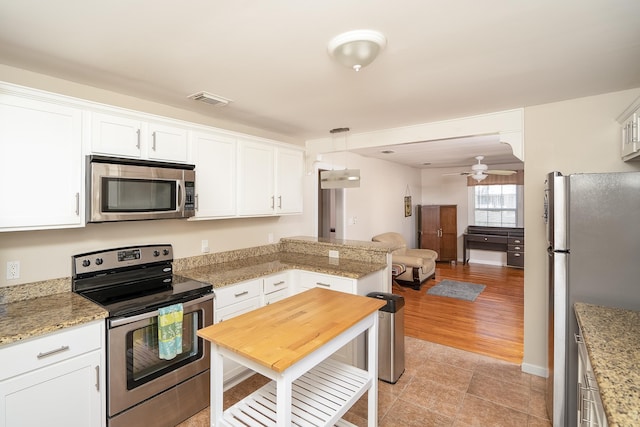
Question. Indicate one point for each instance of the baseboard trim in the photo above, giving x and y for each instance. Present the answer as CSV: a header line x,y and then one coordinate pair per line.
x,y
534,370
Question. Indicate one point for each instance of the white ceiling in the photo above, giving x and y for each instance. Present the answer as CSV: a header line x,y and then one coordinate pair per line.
x,y
443,60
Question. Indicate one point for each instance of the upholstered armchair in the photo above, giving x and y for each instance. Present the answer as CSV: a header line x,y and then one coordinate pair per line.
x,y
413,266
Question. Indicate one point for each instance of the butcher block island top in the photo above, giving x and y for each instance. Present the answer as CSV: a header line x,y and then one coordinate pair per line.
x,y
278,335
290,342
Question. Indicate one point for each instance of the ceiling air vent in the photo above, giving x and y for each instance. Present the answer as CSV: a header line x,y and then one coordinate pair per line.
x,y
210,98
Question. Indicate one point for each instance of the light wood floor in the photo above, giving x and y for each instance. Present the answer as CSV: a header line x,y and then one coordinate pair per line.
x,y
491,325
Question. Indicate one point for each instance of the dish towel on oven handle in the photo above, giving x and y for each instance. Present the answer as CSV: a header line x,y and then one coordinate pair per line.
x,y
170,331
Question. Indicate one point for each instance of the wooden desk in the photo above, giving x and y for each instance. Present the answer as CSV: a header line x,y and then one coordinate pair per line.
x,y
501,239
288,341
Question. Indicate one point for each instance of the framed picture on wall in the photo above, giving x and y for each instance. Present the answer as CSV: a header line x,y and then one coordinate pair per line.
x,y
407,206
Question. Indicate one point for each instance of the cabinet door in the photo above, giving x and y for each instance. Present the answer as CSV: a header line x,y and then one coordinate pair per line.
x,y
66,394
116,135
255,178
290,171
215,160
167,143
430,228
448,233
40,165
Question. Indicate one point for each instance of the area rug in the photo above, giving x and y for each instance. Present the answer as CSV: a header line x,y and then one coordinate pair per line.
x,y
460,290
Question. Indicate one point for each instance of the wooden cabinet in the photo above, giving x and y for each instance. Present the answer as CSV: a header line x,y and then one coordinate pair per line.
x,y
438,230
41,163
131,136
215,158
289,175
56,380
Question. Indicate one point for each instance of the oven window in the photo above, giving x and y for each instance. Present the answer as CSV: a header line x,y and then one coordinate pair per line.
x,y
143,361
138,195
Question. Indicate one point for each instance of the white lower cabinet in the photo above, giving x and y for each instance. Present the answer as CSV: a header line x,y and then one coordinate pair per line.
x,y
590,410
232,301
56,380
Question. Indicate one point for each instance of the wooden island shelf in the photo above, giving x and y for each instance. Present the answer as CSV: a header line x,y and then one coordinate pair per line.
x,y
290,342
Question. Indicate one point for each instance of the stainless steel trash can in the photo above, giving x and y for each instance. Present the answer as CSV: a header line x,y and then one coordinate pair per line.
x,y
390,337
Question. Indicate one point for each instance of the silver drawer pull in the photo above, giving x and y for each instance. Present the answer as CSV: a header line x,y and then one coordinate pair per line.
x,y
241,294
516,254
517,248
52,352
326,285
279,283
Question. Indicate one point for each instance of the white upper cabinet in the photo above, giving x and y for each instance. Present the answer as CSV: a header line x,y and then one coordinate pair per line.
x,y
167,143
41,181
269,179
256,166
130,136
215,158
290,173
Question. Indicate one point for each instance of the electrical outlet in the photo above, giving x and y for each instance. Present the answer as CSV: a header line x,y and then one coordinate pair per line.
x,y
334,254
270,238
13,270
205,246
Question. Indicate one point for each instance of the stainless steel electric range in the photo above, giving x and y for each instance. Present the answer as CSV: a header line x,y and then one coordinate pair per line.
x,y
132,284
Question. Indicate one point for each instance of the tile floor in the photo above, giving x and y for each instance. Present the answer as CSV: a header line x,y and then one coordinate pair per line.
x,y
441,386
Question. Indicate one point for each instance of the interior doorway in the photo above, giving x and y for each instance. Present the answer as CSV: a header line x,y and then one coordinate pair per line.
x,y
331,212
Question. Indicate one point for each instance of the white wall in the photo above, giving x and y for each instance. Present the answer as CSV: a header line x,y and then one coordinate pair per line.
x,y
378,205
579,135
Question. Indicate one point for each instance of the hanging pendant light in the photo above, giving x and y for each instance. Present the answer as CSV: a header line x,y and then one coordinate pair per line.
x,y
357,49
342,178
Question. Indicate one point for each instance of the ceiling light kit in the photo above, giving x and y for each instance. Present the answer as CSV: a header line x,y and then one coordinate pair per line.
x,y
342,178
357,49
480,171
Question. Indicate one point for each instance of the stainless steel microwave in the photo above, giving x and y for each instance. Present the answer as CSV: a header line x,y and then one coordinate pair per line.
x,y
121,189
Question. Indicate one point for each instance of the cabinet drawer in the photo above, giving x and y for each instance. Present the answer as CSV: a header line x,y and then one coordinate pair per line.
x,y
51,348
516,248
312,280
237,293
233,310
516,240
275,296
276,282
486,239
515,259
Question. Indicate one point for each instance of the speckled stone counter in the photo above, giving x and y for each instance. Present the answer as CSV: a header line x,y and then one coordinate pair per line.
x,y
38,316
612,337
226,273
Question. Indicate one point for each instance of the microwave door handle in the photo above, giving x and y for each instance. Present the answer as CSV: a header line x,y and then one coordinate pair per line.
x,y
182,195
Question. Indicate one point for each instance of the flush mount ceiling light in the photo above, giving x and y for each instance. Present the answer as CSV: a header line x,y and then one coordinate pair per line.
x,y
358,48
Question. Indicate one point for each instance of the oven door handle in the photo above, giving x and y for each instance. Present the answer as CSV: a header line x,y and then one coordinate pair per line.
x,y
126,320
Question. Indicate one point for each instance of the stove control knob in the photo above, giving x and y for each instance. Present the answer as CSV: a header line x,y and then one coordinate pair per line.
x,y
86,263
156,253
165,252
99,261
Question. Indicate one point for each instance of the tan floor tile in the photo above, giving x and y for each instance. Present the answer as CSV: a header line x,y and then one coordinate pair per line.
x,y
397,388
445,374
453,356
538,383
538,422
434,396
477,412
538,405
515,396
407,414
504,371
385,401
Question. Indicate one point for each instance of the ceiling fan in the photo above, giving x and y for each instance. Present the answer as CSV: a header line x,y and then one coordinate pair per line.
x,y
480,171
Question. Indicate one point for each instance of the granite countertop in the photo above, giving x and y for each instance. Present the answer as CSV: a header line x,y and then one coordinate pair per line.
x,y
42,314
38,316
612,338
227,273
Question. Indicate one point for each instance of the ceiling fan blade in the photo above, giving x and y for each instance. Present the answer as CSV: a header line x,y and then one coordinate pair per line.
x,y
499,172
457,174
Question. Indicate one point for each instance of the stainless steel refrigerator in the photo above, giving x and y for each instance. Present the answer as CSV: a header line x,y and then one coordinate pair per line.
x,y
593,229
